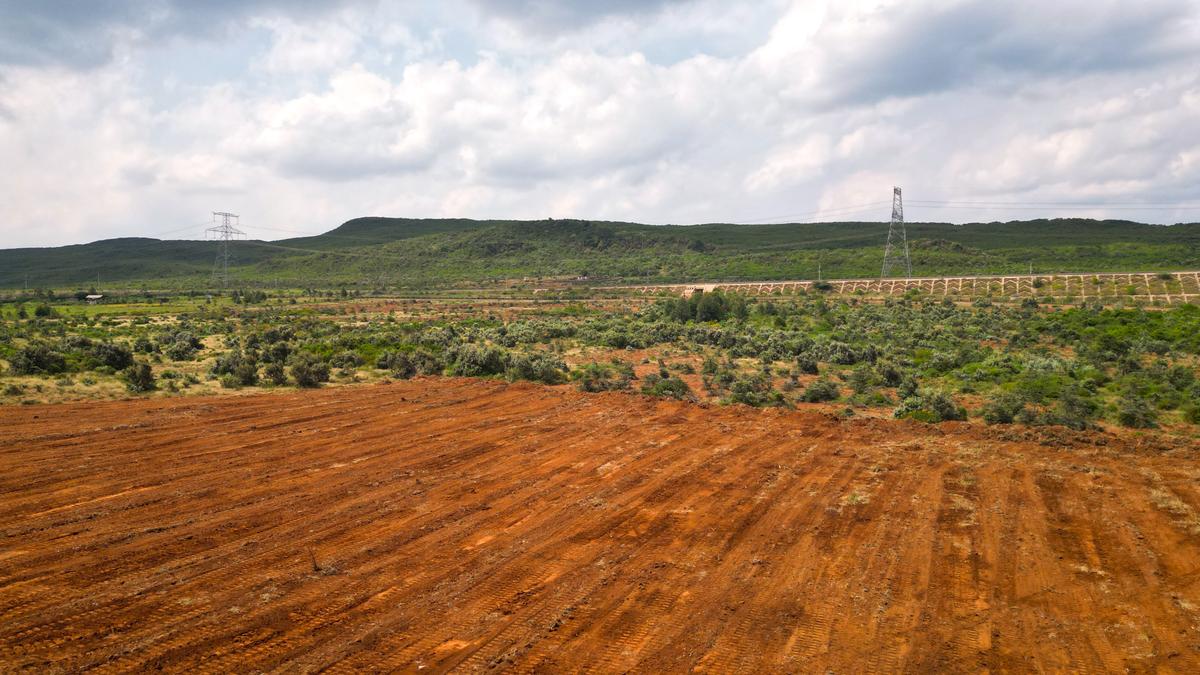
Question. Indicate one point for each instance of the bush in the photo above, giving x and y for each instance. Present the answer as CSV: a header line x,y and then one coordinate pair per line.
x,y
930,406
276,374
38,358
1191,414
477,361
112,355
536,367
241,367
595,377
1133,411
755,390
308,370
807,365
403,365
398,365
143,345
669,387
180,345
819,391
346,360
1003,408
138,378
907,388
1075,409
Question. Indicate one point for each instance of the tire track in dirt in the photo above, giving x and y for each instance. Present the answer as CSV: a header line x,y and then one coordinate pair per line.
x,y
472,525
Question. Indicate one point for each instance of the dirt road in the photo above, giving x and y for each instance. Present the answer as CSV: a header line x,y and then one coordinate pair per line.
x,y
465,525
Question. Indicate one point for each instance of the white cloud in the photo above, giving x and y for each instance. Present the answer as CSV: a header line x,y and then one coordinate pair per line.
x,y
628,115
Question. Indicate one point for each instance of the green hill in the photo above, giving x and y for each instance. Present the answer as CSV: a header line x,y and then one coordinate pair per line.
x,y
424,252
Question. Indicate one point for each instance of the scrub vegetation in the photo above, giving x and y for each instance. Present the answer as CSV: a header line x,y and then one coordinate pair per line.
x,y
918,358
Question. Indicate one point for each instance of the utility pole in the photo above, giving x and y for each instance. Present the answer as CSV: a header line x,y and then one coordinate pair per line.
x,y
897,239
223,233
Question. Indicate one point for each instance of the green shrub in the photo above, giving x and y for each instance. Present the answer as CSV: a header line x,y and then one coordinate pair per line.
x,y
536,367
1075,409
755,390
38,358
143,345
930,406
308,371
595,377
1133,411
403,365
346,360
1191,414
180,345
807,365
275,373
669,387
398,364
138,378
470,360
238,365
1003,408
112,355
819,391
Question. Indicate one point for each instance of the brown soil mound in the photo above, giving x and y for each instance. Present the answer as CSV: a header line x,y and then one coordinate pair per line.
x,y
458,524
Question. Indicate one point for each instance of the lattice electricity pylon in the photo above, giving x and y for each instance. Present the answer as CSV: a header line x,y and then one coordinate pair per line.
x,y
223,233
897,238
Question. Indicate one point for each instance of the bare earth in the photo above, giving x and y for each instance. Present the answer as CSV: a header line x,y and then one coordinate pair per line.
x,y
460,524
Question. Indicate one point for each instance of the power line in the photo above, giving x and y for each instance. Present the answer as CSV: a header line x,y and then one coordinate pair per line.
x,y
806,214
1058,205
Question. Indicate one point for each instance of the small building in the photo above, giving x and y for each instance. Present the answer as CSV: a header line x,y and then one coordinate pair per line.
x,y
94,298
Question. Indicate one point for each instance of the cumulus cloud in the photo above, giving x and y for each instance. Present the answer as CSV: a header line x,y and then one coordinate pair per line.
x,y
87,33
322,111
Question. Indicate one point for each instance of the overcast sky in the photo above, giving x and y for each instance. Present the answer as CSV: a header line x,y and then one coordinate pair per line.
x,y
140,117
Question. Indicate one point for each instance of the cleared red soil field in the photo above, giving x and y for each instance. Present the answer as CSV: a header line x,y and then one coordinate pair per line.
x,y
455,524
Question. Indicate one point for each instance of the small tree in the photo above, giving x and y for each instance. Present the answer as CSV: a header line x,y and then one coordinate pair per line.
x,y
1134,412
1076,409
309,371
819,391
930,406
1003,408
1192,413
276,374
536,367
38,358
670,387
139,378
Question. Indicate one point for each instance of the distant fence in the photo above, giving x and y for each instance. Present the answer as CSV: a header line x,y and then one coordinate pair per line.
x,y
1166,288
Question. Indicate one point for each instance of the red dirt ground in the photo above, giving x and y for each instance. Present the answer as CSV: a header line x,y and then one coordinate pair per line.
x,y
457,524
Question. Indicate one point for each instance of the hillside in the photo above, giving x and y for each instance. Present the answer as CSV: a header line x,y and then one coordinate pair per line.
x,y
414,252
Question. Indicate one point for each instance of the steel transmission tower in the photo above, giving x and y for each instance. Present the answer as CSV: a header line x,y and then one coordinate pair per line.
x,y
897,239
223,233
